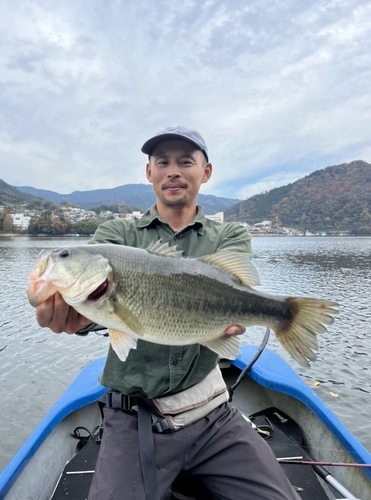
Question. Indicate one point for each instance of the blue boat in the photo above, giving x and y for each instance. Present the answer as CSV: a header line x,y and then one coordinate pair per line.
x,y
304,428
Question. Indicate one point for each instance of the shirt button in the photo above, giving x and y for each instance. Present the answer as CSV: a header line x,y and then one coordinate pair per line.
x,y
175,362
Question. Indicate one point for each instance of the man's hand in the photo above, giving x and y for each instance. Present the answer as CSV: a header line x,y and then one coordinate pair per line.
x,y
235,330
57,315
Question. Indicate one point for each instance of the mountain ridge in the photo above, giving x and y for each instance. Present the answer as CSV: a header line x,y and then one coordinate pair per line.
x,y
136,195
336,198
11,195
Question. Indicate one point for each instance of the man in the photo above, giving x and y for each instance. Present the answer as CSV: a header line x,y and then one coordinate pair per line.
x,y
218,446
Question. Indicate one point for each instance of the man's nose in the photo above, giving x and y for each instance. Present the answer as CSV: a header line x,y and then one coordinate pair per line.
x,y
173,170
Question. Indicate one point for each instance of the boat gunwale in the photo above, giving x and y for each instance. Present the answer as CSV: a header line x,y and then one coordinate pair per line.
x,y
272,372
85,389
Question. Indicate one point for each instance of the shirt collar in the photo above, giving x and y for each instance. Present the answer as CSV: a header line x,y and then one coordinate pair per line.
x,y
151,216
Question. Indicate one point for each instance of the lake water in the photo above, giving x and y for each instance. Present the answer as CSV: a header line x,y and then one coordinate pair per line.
x,y
36,365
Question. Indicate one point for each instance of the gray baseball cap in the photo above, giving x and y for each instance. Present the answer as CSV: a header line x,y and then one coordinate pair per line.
x,y
178,132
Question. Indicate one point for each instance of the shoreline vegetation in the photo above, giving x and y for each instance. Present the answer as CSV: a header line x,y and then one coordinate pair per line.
x,y
27,235
8,236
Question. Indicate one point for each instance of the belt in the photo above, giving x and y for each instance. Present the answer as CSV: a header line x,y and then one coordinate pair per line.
x,y
130,404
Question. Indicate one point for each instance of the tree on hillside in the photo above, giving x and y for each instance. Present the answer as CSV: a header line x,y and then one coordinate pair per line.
x,y
8,223
48,224
3,214
85,227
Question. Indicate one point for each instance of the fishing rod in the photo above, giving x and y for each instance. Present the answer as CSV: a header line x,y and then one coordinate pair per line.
x,y
249,366
297,461
323,473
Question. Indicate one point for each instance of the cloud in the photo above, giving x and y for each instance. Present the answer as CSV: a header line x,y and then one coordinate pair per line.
x,y
277,89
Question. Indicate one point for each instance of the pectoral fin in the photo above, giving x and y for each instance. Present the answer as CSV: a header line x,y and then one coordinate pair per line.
x,y
227,346
128,318
122,343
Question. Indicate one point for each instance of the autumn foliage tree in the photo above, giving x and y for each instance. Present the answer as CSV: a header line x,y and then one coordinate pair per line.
x,y
7,223
49,224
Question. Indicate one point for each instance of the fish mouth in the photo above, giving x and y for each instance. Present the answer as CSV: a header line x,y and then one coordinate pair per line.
x,y
100,291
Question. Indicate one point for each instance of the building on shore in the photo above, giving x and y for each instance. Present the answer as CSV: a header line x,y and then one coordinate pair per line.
x,y
218,217
21,221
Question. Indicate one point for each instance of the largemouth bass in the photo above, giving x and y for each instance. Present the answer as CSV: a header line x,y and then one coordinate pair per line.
x,y
158,296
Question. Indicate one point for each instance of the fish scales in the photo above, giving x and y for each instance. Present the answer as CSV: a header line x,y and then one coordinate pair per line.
x,y
156,295
159,288
194,290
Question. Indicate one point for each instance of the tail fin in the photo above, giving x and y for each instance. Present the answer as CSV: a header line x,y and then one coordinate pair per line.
x,y
308,318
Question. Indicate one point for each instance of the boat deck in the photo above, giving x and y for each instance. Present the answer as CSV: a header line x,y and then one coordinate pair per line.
x,y
77,476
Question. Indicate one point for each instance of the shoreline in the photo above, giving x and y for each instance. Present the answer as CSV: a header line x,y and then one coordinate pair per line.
x,y
10,236
15,235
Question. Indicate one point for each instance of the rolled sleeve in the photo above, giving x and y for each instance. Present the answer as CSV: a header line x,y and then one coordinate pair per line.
x,y
235,239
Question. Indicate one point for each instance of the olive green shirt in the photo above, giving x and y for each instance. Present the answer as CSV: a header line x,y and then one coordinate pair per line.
x,y
152,370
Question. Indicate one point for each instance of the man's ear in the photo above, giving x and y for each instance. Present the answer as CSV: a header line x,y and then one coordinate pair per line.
x,y
149,172
208,170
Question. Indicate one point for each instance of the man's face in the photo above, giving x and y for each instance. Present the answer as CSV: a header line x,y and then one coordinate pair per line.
x,y
176,169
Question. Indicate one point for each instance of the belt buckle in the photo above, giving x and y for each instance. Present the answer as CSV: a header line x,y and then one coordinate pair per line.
x,y
161,426
119,401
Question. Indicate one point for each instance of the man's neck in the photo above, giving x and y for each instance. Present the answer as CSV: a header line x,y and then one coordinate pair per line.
x,y
177,217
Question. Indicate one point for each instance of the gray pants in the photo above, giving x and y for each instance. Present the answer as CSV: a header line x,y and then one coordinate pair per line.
x,y
221,448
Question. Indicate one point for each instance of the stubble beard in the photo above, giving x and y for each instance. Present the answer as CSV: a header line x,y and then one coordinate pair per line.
x,y
180,202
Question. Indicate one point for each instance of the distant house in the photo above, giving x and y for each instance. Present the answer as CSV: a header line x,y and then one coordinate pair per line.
x,y
134,215
219,217
106,213
264,223
21,220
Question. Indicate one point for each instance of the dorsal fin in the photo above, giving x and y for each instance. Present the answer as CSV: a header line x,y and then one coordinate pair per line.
x,y
235,263
163,249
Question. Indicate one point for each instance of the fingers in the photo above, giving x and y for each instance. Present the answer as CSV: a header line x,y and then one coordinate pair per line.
x,y
57,315
64,317
235,330
44,312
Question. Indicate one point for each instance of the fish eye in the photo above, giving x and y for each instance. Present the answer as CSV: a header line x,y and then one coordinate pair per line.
x,y
64,253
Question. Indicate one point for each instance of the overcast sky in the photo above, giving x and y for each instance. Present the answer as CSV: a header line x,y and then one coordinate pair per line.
x,y
278,89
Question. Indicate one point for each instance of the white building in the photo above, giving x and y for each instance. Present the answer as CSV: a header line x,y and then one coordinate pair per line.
x,y
219,217
134,215
21,220
264,223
